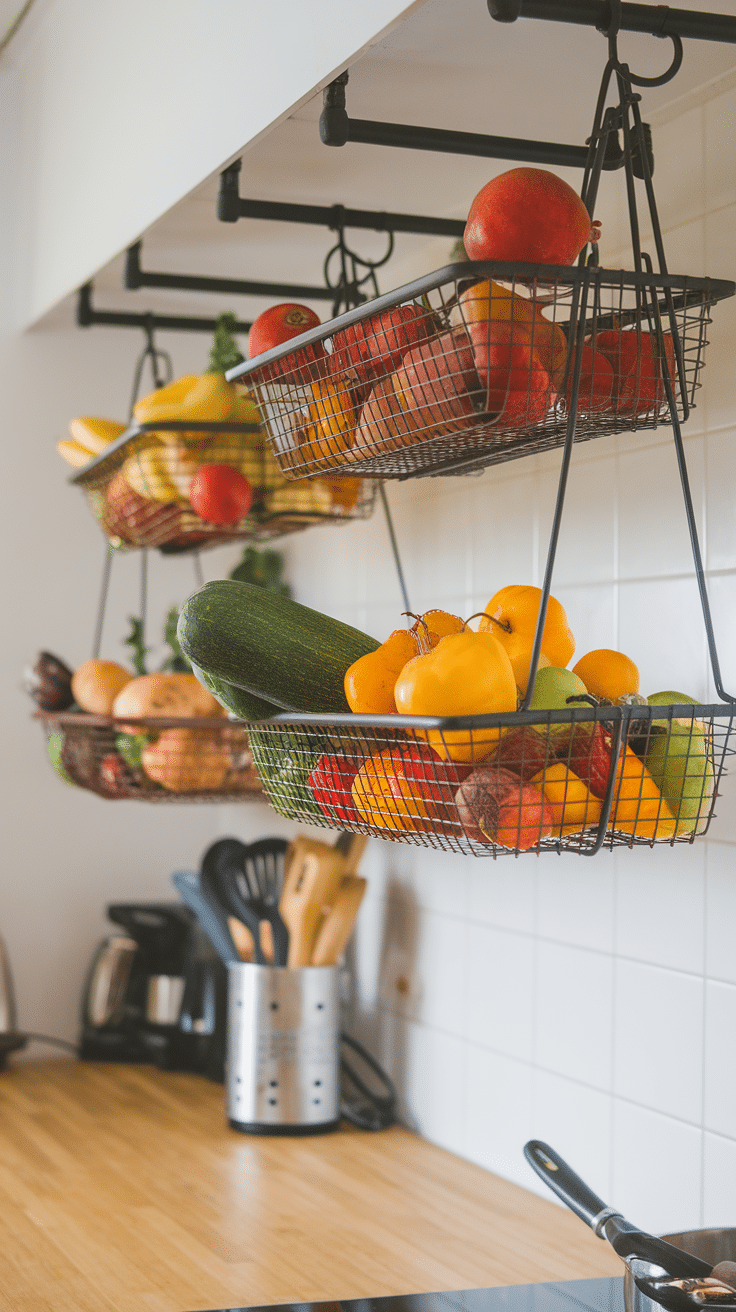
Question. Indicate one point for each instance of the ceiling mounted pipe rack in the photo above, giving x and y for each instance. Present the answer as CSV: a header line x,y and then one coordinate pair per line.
x,y
231,206
89,317
336,128
656,20
135,277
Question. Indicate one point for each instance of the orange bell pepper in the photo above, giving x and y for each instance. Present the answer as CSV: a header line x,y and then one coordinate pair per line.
x,y
369,682
638,807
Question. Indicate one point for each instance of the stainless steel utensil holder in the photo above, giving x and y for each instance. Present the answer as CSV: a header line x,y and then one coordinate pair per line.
x,y
283,1049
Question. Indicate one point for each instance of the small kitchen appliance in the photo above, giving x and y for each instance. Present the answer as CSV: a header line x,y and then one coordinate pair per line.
x,y
156,992
10,1037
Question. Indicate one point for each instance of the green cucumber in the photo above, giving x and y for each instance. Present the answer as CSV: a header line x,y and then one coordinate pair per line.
x,y
283,761
271,646
237,700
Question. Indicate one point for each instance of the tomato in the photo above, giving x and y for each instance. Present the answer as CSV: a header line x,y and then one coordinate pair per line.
x,y
220,494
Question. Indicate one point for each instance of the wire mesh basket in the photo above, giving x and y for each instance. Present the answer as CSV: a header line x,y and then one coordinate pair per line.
x,y
574,780
153,759
473,365
138,489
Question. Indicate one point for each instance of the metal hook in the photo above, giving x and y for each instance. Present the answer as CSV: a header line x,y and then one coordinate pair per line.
x,y
151,353
611,31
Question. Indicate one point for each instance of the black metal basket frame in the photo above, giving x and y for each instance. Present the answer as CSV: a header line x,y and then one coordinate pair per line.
x,y
308,736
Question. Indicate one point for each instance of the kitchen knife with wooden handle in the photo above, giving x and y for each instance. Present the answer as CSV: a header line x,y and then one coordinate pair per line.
x,y
312,879
337,926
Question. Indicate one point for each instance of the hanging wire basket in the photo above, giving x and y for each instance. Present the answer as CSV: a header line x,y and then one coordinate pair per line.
x,y
138,489
575,780
472,366
154,759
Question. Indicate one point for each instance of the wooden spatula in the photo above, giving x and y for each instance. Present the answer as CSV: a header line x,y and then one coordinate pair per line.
x,y
313,875
337,926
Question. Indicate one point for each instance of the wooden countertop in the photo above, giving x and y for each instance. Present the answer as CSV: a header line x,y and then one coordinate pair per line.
x,y
123,1189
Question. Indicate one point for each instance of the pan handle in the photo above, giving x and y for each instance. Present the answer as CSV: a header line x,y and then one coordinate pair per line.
x,y
568,1186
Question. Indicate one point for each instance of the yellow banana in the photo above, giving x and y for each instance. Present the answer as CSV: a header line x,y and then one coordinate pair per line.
x,y
76,455
95,434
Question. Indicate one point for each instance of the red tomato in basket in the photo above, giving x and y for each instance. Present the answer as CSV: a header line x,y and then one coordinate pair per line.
x,y
220,494
331,782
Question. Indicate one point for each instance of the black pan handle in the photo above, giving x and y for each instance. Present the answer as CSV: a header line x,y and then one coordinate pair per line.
x,y
562,1180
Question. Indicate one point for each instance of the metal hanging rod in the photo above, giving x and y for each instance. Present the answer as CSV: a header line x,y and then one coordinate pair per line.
x,y
135,277
231,207
87,317
657,20
336,129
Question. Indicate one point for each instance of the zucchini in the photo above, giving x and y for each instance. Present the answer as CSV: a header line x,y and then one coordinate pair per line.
x,y
270,646
236,700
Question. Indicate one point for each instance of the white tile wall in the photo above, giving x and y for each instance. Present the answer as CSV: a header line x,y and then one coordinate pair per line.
x,y
592,1003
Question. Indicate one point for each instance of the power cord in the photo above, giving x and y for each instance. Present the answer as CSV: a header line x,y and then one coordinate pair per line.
x,y
373,1111
49,1038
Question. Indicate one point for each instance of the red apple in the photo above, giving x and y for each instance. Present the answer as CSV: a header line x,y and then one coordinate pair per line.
x,y
279,324
383,425
524,751
637,373
497,807
518,387
527,214
376,346
596,382
136,520
436,385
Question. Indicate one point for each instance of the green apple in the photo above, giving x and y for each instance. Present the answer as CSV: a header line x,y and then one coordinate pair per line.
x,y
552,688
678,760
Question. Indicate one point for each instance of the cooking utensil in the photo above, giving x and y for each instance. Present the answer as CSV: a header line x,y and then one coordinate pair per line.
x,y
336,927
264,865
352,847
713,1246
222,858
209,913
313,874
648,1258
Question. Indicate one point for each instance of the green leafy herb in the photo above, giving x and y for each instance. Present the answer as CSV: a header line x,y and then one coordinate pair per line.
x,y
177,662
131,747
263,568
224,354
138,649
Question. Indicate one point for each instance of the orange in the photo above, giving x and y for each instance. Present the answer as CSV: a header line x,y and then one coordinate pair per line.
x,y
607,674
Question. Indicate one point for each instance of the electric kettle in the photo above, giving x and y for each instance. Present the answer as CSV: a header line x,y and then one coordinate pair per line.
x,y
10,1038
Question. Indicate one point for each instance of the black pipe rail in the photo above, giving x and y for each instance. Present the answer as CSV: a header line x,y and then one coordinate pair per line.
x,y
336,128
657,20
135,277
231,206
88,317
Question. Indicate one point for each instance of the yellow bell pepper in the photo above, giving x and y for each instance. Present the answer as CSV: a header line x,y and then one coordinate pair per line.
x,y
467,673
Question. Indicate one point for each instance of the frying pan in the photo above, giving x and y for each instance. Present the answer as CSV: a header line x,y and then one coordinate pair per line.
x,y
676,1279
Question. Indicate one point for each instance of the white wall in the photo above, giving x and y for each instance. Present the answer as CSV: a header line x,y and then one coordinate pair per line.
x,y
124,109
589,1003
